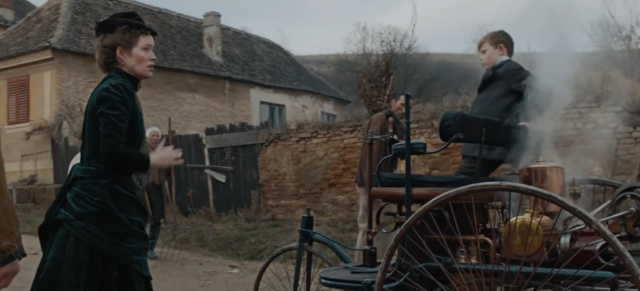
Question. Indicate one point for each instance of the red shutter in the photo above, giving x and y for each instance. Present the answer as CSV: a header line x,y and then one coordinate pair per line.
x,y
18,100
11,96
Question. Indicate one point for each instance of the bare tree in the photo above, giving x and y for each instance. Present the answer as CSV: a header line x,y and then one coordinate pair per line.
x,y
383,54
474,37
284,39
617,36
68,122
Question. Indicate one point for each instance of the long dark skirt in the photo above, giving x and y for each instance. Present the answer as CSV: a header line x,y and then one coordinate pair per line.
x,y
93,237
73,265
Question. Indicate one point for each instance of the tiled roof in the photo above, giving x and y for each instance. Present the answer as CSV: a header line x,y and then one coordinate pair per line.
x,y
68,25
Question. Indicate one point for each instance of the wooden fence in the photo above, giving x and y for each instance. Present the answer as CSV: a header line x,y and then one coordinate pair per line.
x,y
236,146
232,151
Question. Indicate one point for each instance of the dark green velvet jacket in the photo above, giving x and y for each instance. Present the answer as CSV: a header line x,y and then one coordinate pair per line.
x,y
93,236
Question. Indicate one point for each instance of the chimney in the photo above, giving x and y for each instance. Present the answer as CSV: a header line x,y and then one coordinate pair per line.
x,y
6,11
212,35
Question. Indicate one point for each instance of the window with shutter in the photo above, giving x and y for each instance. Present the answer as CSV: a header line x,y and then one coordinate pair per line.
x,y
18,100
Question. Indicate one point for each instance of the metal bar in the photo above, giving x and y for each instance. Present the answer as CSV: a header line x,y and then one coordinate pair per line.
x,y
210,167
582,226
368,186
407,155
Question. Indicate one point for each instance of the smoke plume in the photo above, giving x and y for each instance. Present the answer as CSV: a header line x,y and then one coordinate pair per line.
x,y
572,123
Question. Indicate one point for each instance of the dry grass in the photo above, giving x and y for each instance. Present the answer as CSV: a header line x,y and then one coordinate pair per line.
x,y
30,218
242,236
246,235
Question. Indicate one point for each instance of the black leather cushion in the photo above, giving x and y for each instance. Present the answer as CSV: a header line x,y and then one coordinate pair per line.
x,y
497,133
428,181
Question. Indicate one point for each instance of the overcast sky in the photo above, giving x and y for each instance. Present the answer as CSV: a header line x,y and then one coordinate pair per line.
x,y
320,26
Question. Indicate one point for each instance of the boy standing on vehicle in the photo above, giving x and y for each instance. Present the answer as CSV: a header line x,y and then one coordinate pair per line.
x,y
501,95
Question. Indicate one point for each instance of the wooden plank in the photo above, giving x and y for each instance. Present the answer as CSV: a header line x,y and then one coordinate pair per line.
x,y
236,139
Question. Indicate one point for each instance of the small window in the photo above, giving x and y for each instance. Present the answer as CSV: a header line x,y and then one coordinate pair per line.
x,y
18,100
272,115
327,117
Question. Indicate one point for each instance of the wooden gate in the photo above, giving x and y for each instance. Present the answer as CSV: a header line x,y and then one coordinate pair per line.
x,y
62,153
237,146
192,189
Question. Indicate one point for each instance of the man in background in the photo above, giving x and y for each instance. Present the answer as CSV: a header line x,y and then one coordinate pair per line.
x,y
11,250
378,125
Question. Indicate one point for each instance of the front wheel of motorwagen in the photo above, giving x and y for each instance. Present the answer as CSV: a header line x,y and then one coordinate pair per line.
x,y
507,236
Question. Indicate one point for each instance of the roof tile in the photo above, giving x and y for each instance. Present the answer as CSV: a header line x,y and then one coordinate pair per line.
x,y
68,25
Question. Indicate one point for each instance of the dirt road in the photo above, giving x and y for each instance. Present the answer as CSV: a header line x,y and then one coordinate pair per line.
x,y
188,272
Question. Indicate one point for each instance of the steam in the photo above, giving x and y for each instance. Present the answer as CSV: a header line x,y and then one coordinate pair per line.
x,y
569,125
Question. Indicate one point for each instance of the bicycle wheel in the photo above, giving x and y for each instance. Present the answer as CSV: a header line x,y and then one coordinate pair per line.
x,y
278,271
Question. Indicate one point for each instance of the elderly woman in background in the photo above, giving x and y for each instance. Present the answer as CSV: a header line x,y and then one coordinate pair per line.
x,y
93,236
154,183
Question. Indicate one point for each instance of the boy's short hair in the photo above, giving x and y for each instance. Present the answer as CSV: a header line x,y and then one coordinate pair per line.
x,y
496,38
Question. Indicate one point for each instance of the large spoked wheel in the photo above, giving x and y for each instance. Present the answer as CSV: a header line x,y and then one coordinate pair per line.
x,y
505,236
278,271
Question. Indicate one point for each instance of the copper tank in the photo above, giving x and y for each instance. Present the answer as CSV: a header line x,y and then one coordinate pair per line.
x,y
547,176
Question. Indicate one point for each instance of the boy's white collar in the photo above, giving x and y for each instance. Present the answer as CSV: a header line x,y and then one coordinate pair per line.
x,y
502,59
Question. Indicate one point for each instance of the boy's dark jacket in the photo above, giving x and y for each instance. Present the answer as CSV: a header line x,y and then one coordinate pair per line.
x,y
501,95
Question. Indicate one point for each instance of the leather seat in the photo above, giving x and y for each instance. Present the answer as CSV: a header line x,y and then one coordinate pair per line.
x,y
391,187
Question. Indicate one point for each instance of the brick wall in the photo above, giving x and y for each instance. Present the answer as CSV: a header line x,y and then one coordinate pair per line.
x,y
315,166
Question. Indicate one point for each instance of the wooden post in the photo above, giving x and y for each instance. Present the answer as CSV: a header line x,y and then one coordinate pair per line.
x,y
173,178
14,195
209,182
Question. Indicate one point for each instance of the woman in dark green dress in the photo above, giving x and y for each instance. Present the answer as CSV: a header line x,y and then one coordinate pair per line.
x,y
93,236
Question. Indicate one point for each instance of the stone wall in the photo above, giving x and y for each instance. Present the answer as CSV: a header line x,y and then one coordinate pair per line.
x,y
315,166
593,140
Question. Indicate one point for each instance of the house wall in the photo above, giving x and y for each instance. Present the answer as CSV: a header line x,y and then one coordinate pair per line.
x,y
26,156
194,101
300,107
